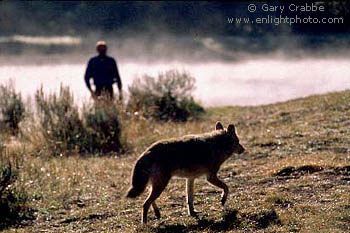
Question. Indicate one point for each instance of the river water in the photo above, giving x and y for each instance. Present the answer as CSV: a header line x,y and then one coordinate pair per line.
x,y
251,82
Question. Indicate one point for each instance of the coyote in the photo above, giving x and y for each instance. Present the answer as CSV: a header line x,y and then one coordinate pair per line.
x,y
188,157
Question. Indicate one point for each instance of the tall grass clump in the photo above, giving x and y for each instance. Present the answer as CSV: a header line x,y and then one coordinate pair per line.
x,y
13,199
11,108
64,130
167,97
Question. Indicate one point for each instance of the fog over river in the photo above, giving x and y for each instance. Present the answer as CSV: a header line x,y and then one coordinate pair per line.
x,y
250,82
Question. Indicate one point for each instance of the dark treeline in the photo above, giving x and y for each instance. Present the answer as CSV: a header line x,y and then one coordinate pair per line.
x,y
185,18
172,30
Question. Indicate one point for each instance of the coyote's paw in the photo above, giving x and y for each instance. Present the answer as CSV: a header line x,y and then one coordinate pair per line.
x,y
194,214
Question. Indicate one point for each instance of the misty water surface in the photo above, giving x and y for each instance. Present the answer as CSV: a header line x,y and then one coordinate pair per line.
x,y
251,82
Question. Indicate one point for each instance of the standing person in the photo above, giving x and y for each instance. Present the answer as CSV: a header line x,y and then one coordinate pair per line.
x,y
104,71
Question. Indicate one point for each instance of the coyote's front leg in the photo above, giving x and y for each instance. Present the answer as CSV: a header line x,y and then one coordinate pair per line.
x,y
214,180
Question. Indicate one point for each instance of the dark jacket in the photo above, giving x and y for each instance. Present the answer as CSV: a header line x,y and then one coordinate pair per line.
x,y
104,71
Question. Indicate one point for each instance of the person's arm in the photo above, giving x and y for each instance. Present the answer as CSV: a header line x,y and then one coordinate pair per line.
x,y
88,75
117,79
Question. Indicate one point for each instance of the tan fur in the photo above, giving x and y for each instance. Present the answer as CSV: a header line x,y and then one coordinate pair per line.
x,y
188,157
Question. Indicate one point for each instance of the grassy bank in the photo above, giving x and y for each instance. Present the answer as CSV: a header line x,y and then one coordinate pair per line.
x,y
294,178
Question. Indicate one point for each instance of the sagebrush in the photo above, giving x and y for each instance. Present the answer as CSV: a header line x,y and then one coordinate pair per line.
x,y
60,124
64,129
13,199
11,108
102,127
165,97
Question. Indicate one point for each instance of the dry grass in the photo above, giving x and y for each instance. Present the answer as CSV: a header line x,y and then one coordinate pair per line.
x,y
85,194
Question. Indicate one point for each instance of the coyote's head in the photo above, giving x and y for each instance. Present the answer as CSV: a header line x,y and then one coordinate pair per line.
x,y
231,132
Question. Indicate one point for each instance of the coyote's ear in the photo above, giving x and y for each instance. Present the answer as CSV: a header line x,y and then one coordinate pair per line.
x,y
219,126
231,129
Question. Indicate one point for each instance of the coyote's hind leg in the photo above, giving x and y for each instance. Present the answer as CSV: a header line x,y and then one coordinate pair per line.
x,y
158,187
189,189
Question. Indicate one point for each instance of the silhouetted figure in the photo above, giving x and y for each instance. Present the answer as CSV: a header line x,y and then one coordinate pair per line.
x,y
103,70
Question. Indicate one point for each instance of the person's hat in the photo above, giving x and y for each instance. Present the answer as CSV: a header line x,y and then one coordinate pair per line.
x,y
101,43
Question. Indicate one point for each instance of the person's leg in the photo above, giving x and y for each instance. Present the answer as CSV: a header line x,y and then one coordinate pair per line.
x,y
109,90
98,91
104,91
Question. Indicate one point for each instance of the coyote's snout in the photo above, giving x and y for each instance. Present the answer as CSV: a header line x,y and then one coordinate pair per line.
x,y
189,157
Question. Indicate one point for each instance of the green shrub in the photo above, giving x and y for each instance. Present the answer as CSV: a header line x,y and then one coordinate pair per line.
x,y
13,202
166,97
64,130
11,108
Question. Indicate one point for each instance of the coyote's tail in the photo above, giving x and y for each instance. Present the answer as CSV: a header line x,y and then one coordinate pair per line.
x,y
140,177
